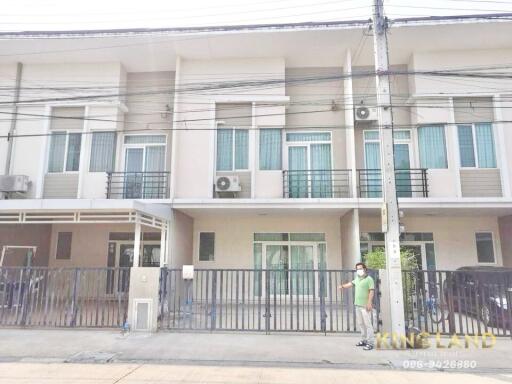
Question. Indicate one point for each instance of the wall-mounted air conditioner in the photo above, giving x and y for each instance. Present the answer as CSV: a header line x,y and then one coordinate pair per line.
x,y
14,183
363,113
227,184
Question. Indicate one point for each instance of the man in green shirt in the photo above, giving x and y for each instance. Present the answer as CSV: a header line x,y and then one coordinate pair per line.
x,y
363,301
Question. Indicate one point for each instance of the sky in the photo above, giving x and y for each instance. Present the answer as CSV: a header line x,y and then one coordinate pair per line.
x,y
114,14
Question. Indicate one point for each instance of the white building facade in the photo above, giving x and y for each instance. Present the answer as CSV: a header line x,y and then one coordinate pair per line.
x,y
128,138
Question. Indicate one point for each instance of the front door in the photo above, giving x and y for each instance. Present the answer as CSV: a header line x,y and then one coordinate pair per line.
x,y
292,268
143,165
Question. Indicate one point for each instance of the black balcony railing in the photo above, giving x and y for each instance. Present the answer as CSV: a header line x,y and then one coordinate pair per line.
x,y
332,183
409,182
137,185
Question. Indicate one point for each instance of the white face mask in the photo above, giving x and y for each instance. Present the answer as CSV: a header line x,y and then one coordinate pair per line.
x,y
360,272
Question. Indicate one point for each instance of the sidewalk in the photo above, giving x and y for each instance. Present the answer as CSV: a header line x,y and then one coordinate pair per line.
x,y
234,349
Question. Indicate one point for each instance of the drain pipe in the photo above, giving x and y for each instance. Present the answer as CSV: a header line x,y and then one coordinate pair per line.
x,y
14,118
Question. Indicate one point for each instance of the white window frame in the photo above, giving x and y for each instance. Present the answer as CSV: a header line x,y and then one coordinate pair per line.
x,y
495,262
233,145
199,246
305,144
66,146
143,146
475,148
115,155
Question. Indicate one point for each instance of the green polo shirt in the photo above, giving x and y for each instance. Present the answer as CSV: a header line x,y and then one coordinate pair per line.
x,y
363,286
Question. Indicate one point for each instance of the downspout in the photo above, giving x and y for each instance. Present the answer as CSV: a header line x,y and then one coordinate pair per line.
x,y
14,118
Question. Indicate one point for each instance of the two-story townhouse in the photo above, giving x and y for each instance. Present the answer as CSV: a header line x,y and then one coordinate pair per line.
x,y
255,147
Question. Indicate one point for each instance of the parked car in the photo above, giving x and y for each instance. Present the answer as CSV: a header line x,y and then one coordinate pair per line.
x,y
481,292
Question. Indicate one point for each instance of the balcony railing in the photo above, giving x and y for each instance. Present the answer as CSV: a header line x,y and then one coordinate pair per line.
x,y
409,182
332,183
137,185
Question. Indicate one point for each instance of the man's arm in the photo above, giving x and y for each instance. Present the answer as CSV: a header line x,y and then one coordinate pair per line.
x,y
369,305
346,285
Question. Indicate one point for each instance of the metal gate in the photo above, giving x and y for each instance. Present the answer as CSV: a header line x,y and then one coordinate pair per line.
x,y
64,297
259,300
463,302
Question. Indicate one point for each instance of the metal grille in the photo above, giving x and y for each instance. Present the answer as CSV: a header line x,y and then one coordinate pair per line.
x,y
409,182
331,183
259,300
64,297
137,185
461,302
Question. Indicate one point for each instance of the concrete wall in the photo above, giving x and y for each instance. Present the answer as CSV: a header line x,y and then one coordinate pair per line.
x,y
454,237
505,225
181,241
89,244
234,236
37,235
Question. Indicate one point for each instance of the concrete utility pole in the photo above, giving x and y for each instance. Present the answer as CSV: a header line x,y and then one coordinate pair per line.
x,y
14,118
390,214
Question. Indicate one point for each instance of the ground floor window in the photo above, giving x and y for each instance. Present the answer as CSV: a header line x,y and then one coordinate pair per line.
x,y
121,249
206,246
485,247
292,258
420,244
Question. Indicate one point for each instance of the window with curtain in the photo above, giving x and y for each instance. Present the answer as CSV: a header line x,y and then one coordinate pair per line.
x,y
270,149
476,145
64,154
232,149
103,150
484,247
432,147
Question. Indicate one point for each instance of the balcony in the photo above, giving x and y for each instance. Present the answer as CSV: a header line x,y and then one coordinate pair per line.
x,y
137,185
409,182
332,183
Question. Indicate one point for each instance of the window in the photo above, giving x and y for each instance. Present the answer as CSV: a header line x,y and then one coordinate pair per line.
x,y
206,246
270,149
232,149
64,153
432,147
476,145
484,247
103,150
64,245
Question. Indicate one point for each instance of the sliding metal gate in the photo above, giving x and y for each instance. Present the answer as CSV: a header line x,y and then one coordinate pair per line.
x,y
463,302
64,297
259,300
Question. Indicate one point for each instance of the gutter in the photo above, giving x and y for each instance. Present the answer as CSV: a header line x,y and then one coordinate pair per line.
x,y
14,118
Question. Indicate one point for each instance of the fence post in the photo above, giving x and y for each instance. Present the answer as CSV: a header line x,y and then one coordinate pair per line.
x,y
73,299
25,296
163,295
323,314
213,313
451,313
267,301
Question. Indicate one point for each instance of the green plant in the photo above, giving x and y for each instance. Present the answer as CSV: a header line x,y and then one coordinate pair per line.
x,y
376,259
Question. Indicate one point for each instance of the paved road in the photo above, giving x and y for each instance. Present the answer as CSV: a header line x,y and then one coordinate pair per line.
x,y
17,373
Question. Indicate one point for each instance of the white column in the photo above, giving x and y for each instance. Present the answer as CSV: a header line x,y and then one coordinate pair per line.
x,y
452,144
43,156
350,145
84,145
501,150
136,245
163,244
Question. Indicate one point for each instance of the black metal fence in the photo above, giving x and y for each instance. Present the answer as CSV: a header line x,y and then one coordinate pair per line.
x,y
64,297
137,185
461,302
259,300
409,182
316,183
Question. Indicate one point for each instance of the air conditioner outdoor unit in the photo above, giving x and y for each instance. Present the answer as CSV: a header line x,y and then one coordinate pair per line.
x,y
227,184
363,113
13,183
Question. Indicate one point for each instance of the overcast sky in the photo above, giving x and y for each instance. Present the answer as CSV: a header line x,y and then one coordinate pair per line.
x,y
111,14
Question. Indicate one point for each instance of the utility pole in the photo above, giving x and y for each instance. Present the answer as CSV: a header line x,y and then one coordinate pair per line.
x,y
390,214
14,118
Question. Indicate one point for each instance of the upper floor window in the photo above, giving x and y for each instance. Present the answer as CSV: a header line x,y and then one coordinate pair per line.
x,y
64,153
232,149
103,151
432,147
270,149
66,139
476,145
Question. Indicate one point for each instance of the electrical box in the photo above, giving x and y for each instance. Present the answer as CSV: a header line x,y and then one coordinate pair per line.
x,y
188,272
